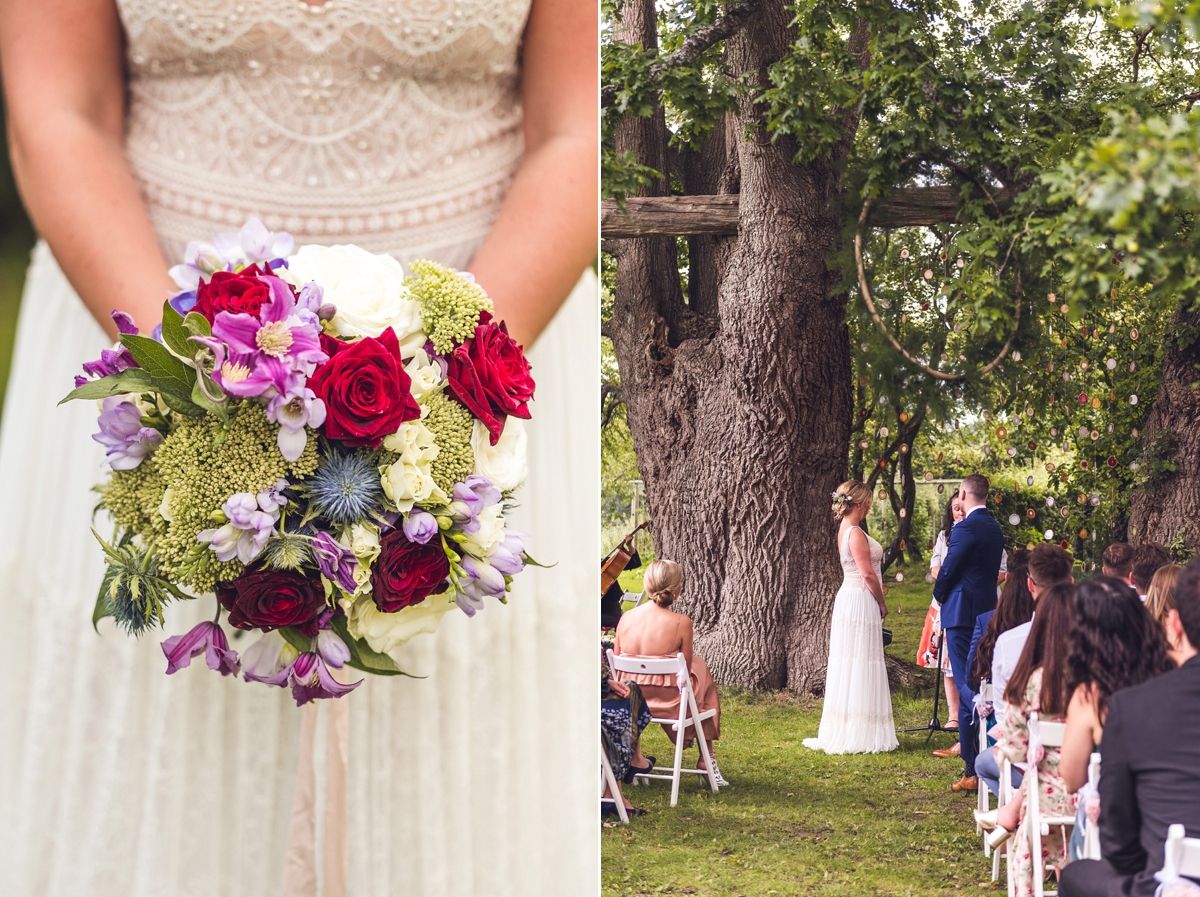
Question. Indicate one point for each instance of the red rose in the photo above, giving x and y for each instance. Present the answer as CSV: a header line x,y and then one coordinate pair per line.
x,y
365,389
266,598
489,376
407,573
234,293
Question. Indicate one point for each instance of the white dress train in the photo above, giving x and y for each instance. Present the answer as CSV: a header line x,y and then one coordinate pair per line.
x,y
857,713
395,126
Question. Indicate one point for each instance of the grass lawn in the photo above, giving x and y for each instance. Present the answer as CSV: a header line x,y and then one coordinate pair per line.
x,y
796,821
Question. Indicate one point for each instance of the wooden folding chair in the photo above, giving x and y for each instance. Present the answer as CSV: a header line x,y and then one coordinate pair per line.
x,y
608,782
689,716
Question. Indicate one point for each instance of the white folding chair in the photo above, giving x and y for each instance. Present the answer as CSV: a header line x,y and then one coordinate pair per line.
x,y
608,782
1038,824
1091,834
636,597
689,715
1181,854
982,796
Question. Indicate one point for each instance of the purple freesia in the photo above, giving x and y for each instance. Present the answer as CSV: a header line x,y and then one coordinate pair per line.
x,y
125,440
263,661
470,497
481,580
509,556
271,500
337,562
245,534
294,410
332,648
420,526
112,361
208,639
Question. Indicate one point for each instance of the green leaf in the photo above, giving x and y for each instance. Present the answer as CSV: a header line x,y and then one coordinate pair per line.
x,y
197,324
133,380
169,373
220,409
103,606
297,640
175,334
363,657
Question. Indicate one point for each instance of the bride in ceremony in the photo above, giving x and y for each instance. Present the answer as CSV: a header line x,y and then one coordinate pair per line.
x,y
857,713
459,131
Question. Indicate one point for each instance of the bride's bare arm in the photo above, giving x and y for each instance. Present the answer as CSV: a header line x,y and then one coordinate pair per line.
x,y
860,550
546,232
64,87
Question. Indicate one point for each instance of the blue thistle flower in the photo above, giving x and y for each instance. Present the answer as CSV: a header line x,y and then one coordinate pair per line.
x,y
345,487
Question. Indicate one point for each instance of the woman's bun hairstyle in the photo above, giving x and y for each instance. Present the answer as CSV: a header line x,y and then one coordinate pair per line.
x,y
664,582
847,496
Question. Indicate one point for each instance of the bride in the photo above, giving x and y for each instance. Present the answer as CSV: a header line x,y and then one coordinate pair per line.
x,y
857,715
462,131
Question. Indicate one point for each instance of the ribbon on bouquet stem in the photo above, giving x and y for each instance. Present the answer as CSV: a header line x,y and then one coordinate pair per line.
x,y
300,864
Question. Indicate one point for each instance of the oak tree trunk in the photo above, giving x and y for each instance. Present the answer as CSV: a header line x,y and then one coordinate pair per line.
x,y
739,400
1168,509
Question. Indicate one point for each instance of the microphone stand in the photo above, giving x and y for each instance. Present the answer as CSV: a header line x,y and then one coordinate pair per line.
x,y
934,724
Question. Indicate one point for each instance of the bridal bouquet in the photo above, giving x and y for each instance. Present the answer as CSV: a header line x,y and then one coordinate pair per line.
x,y
327,445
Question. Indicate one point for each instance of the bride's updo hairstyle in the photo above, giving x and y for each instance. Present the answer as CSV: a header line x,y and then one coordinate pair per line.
x,y
664,582
849,494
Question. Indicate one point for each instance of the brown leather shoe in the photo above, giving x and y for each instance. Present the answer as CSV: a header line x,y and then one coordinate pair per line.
x,y
949,752
966,783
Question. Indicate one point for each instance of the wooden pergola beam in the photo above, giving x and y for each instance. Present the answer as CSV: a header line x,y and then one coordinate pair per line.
x,y
679,216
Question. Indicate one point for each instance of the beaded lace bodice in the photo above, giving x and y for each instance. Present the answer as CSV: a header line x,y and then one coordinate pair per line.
x,y
394,124
850,571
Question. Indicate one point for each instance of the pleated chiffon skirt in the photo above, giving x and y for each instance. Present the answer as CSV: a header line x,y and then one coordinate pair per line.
x,y
119,781
857,714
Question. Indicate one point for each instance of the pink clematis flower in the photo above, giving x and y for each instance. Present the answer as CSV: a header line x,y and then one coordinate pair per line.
x,y
309,679
208,639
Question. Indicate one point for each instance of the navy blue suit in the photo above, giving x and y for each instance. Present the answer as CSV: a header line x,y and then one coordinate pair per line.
x,y
966,588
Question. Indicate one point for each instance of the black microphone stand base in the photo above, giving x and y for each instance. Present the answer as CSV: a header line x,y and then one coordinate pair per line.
x,y
934,724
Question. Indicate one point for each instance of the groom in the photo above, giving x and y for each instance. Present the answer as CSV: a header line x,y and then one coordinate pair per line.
x,y
966,588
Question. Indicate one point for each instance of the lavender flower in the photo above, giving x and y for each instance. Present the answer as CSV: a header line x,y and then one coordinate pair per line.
x,y
112,361
469,498
509,556
332,648
228,252
263,660
420,526
481,580
272,499
125,440
337,562
295,409
245,534
207,639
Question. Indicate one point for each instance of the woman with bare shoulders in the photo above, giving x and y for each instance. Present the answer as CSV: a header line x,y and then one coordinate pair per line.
x,y
464,132
653,630
857,714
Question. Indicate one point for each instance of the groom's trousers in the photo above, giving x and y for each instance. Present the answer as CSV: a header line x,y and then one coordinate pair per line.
x,y
958,644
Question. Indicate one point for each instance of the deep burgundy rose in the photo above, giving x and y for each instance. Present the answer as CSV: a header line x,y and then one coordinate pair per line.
x,y
489,376
365,389
234,293
407,573
266,598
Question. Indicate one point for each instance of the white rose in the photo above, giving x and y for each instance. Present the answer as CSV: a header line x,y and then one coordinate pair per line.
x,y
363,540
409,480
368,291
386,632
504,463
490,534
413,441
426,375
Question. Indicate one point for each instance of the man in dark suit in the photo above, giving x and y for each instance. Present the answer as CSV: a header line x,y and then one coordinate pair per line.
x,y
966,588
1149,769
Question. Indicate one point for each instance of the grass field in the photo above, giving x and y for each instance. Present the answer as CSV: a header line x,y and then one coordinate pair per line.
x,y
798,822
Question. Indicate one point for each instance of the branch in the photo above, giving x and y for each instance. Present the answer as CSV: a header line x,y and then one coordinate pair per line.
x,y
611,399
692,47
1140,42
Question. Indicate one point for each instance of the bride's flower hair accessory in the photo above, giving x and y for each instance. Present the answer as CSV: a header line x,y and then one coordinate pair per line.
x,y
328,445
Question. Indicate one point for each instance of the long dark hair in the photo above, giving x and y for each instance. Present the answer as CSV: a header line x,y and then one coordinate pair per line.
x,y
1014,607
948,517
1115,643
1048,646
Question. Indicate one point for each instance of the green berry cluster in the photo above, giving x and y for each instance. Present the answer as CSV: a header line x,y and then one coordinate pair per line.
x,y
133,498
450,304
203,466
450,423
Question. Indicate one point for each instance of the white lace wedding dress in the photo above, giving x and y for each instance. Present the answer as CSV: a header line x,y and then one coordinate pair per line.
x,y
857,714
394,124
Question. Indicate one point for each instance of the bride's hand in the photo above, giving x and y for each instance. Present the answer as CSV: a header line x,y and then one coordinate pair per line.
x,y
883,609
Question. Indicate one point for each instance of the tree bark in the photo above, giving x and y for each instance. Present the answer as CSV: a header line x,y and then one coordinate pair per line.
x,y
739,402
1165,510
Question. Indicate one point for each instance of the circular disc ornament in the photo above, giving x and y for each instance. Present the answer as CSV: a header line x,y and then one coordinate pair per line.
x,y
1081,498
1050,467
1095,402
1083,364
1016,356
1133,400
1083,533
1049,534
903,513
1064,544
903,417
903,253
1012,453
1028,481
940,455
883,493
1050,501
1054,431
1064,513
899,577
883,431
904,448
987,449
1014,519
1082,401
1111,364
1095,501
1095,434
1112,461
1084,464
999,497
941,488
987,415
863,444
1051,298
1133,334
928,477
1133,465
928,275
1029,546
1134,432
1030,513
1002,433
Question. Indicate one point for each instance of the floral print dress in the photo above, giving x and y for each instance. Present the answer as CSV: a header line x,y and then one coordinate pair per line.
x,y
1053,797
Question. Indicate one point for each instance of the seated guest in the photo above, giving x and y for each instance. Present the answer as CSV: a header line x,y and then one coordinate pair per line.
x,y
1150,777
1160,601
653,630
1147,559
1014,608
1115,644
623,716
1048,565
1038,684
1118,562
